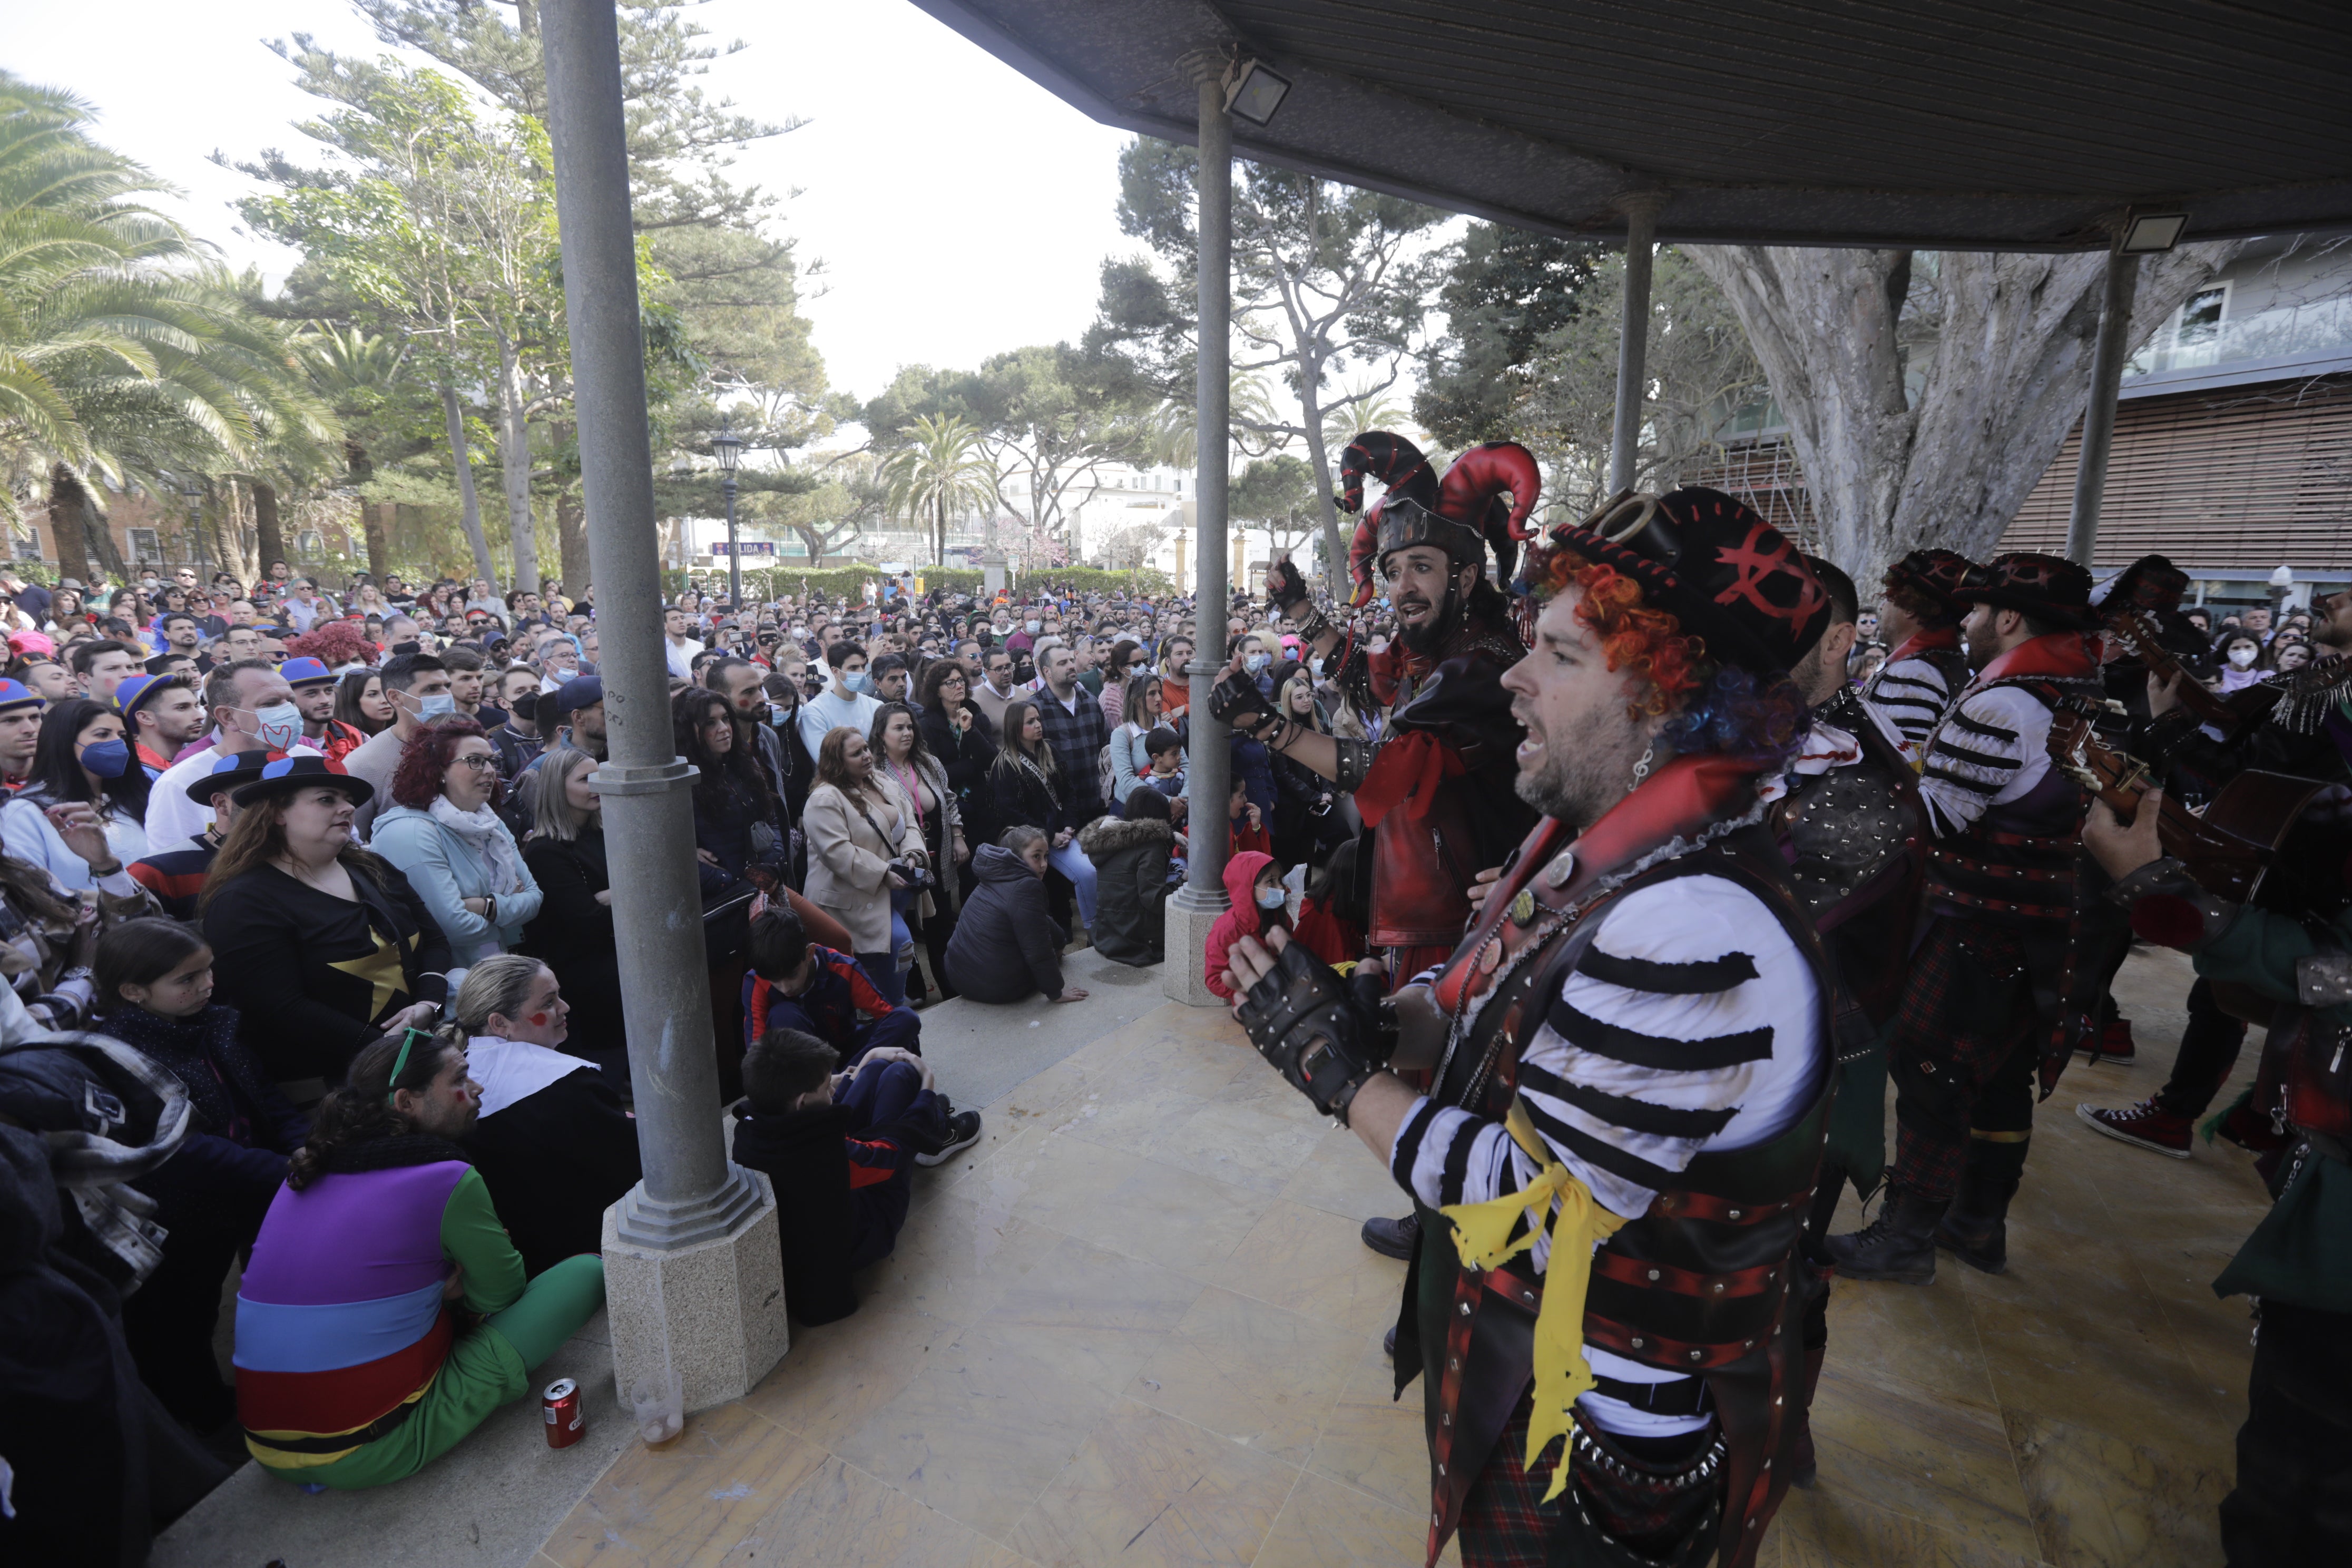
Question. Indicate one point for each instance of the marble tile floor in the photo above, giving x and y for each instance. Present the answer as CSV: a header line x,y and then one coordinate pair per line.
x,y
1136,1325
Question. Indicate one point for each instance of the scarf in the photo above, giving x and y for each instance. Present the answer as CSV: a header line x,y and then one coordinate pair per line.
x,y
487,837
203,1052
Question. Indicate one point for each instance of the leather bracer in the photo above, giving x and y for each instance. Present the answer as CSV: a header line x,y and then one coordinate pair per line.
x,y
1353,762
1326,1041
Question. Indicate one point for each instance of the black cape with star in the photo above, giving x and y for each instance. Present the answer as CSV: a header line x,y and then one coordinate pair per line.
x,y
312,975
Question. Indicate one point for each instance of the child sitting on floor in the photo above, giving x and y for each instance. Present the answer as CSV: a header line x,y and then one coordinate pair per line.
x,y
792,982
840,1149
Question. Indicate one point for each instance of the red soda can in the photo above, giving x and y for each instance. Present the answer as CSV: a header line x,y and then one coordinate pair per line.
x,y
565,1419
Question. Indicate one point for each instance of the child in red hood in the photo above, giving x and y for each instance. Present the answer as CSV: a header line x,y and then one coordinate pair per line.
x,y
1252,878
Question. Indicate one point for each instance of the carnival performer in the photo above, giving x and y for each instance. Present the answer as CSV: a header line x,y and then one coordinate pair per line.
x,y
1436,793
1996,996
2296,723
1633,1068
2294,1451
1925,662
1850,823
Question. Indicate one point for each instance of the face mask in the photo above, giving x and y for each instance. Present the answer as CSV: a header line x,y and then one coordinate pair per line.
x,y
858,681
439,706
107,759
277,727
1271,898
1031,626
1255,662
1316,665
2243,658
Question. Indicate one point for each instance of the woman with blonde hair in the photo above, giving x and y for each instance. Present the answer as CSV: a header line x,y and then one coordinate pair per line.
x,y
1027,793
863,844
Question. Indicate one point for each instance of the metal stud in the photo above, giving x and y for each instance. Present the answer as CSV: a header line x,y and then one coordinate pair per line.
x,y
1637,1341
1718,1286
1654,1274
1466,1308
1697,1355
1441,1470
1456,1365
1734,1214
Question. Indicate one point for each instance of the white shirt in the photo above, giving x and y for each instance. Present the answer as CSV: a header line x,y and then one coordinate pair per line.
x,y
681,657
828,711
170,815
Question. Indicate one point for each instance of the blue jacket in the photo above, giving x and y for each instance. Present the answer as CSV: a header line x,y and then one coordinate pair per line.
x,y
445,871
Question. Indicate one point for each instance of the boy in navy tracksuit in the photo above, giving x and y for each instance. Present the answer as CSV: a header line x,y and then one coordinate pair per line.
x,y
793,983
841,1150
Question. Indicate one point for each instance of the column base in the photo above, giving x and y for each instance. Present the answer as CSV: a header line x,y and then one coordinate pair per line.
x,y
1184,977
713,1310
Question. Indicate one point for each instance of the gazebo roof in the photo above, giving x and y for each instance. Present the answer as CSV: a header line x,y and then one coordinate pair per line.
x,y
1950,124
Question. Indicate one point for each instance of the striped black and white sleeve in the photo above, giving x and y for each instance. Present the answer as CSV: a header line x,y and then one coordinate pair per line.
x,y
1911,696
1990,749
1691,1022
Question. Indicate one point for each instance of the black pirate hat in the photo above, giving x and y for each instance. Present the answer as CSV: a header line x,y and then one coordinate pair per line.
x,y
2150,582
1724,572
1936,574
2048,587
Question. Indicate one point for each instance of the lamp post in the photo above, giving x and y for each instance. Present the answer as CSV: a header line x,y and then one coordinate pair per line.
x,y
729,448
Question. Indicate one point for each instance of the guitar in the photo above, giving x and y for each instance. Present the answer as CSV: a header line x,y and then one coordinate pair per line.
x,y
2238,848
2131,627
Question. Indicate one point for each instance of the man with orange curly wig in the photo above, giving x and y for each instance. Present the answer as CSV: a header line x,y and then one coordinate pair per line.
x,y
1631,1064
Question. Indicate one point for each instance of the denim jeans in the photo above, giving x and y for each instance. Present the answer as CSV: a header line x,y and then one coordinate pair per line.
x,y
1071,861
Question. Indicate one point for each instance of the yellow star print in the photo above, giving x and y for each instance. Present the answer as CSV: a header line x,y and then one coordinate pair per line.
x,y
380,969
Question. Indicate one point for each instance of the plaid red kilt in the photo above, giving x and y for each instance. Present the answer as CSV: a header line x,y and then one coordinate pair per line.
x,y
1505,1524
1969,1009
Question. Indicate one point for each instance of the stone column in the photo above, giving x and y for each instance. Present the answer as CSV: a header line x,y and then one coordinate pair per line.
x,y
1632,337
2099,417
693,1273
1195,905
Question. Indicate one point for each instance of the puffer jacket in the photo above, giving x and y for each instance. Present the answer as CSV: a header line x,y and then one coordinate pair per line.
x,y
1006,946
1131,861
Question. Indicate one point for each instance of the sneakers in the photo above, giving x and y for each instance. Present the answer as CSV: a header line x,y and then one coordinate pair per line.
x,y
2142,1124
963,1132
2112,1044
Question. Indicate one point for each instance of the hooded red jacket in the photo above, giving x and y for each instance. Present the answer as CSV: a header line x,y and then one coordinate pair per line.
x,y
1242,917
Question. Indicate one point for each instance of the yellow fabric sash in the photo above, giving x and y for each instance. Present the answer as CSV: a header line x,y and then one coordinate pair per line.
x,y
1482,1235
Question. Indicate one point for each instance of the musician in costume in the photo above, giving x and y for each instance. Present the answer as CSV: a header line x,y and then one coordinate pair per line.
x,y
1631,1054
1850,823
1996,997
2294,1451
2296,724
1925,665
1436,793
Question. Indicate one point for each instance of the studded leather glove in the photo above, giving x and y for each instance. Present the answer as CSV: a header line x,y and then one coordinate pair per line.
x,y
1236,700
1285,587
1326,1041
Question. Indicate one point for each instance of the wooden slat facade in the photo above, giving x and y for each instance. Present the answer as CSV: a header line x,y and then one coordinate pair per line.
x,y
2238,480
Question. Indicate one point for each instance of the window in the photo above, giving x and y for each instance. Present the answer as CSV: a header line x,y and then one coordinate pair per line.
x,y
2197,335
27,544
146,546
307,543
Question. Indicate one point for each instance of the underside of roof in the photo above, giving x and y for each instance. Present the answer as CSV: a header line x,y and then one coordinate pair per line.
x,y
1941,124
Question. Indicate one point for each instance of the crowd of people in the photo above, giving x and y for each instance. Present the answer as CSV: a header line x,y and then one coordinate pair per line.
x,y
321,883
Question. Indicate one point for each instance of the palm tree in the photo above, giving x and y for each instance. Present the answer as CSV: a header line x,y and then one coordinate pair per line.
x,y
942,473
124,358
1364,407
1173,434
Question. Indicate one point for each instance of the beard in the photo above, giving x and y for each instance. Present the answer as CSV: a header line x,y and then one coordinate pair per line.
x,y
1427,639
1577,786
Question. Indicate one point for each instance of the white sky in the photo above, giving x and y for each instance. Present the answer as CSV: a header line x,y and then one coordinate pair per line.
x,y
959,209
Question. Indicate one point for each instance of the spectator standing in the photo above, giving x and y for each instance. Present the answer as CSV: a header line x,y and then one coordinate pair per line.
x,y
516,740
1076,731
899,748
315,689
360,703
963,738
162,716
1026,790
737,830
81,761
861,834
996,688
677,646
847,703
319,945
1126,658
175,873
444,832
553,1142
572,932
252,709
416,686
1130,756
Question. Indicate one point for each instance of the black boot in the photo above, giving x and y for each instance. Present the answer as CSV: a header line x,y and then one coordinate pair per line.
x,y
1397,1238
1899,1244
1976,1229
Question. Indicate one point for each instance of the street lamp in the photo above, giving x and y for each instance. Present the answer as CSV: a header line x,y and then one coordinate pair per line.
x,y
729,449
192,489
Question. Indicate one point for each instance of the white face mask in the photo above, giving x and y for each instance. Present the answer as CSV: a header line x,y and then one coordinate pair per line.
x,y
2243,658
1271,898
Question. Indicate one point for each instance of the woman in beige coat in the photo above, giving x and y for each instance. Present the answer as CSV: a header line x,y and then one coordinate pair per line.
x,y
861,839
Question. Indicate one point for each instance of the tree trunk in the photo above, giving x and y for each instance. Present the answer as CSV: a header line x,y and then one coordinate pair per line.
x,y
375,526
1319,456
2006,378
571,543
269,533
66,530
514,464
470,504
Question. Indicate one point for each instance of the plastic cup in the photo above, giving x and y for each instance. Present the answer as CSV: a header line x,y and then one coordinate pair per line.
x,y
658,1406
